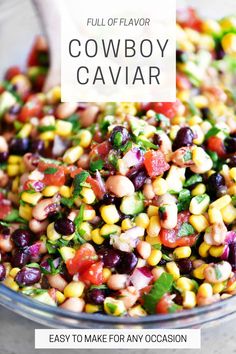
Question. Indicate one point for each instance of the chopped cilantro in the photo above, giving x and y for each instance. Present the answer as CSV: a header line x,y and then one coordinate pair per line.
x,y
50,170
46,128
174,308
162,118
111,307
192,180
157,246
13,216
200,198
29,291
96,165
186,230
183,200
117,141
68,202
160,287
187,156
218,272
78,180
212,132
74,120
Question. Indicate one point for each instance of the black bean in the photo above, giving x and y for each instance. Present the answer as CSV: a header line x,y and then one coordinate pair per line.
x,y
205,112
20,258
64,226
139,179
185,266
110,257
232,255
96,296
19,146
3,156
232,161
157,140
2,272
37,146
119,136
108,199
184,137
128,262
215,183
28,276
21,237
230,144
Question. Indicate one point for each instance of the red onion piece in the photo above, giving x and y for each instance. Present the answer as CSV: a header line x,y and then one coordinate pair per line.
x,y
141,277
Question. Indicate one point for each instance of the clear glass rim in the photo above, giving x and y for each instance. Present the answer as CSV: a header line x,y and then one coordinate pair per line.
x,y
16,297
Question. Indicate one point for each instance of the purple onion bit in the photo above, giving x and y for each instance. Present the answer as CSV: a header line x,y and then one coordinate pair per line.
x,y
232,255
28,276
2,272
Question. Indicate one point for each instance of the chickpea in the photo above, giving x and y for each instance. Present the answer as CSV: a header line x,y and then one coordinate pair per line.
x,y
6,244
178,157
30,161
217,273
168,216
144,249
44,207
157,272
74,304
216,234
83,161
56,281
117,281
38,226
167,198
129,296
148,191
204,301
197,263
3,179
88,116
3,144
65,110
121,186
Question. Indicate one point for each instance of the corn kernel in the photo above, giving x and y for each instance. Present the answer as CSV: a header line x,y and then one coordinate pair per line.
x,y
178,120
88,195
73,154
107,230
199,272
110,214
137,311
199,222
221,202
199,189
31,198
160,186
142,220
205,290
114,307
232,173
47,136
216,251
13,170
173,131
87,229
182,252
63,128
204,249
218,288
214,215
231,287
184,284
85,138
229,43
194,120
25,212
154,257
14,160
173,269
126,224
50,191
13,272
189,299
152,210
91,308
153,240
228,213
15,185
232,190
106,273
199,204
96,237
52,235
74,289
60,298
211,27
25,131
65,191
10,283
154,226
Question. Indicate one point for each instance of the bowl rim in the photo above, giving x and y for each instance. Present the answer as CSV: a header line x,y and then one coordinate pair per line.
x,y
22,299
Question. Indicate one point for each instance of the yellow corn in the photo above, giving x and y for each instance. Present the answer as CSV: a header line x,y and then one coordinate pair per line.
x,y
160,186
10,283
218,288
13,272
173,131
87,228
106,273
74,289
228,213
14,160
214,215
126,224
91,308
211,27
204,249
63,128
232,173
114,307
199,222
137,311
15,185
178,120
199,206
198,133
73,154
205,290
142,220
232,190
31,198
173,269
110,214
153,240
184,284
194,120
189,299
60,298
229,43
65,191
152,210
154,257
96,237
85,138
50,191
25,211
182,252
216,251
52,235
88,195
47,136
199,189
25,131
107,230
221,202
199,272
231,287
13,170
54,95
89,214
154,226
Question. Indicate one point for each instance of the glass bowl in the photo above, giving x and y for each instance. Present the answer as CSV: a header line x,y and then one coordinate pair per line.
x,y
16,36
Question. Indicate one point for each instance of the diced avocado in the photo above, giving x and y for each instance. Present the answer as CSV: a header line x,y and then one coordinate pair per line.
x,y
45,298
67,253
132,205
6,101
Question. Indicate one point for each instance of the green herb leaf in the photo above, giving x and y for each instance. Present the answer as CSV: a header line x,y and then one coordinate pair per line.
x,y
68,202
33,265
157,246
186,230
14,217
33,291
96,165
160,287
46,128
162,118
192,180
78,180
174,308
74,120
117,141
212,132
184,200
187,156
217,272
50,170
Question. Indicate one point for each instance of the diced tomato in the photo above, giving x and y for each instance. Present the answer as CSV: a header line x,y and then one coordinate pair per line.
x,y
5,208
100,150
171,239
93,275
145,106
182,82
155,163
188,18
40,45
214,143
164,304
95,187
32,108
83,259
11,72
169,109
56,178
